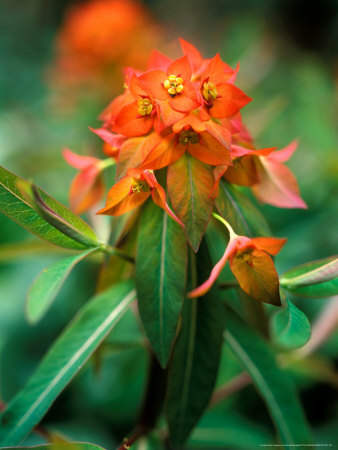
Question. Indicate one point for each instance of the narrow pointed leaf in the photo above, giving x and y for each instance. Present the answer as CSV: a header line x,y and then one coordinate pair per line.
x,y
314,279
15,206
273,384
65,358
196,356
290,328
48,283
160,277
190,183
34,198
242,215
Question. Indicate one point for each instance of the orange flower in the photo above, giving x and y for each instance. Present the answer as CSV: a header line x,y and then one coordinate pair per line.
x,y
132,191
172,89
251,264
87,188
220,97
206,141
112,142
97,34
136,118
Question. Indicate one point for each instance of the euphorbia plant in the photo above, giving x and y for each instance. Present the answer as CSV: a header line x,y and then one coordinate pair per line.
x,y
180,152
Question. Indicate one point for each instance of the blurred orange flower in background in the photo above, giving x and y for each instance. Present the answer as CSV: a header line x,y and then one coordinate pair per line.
x,y
99,37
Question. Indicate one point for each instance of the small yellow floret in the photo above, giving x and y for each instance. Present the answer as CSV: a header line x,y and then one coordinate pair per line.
x,y
174,85
209,91
188,137
139,186
145,106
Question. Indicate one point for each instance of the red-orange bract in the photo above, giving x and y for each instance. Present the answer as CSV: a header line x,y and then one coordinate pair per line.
x,y
252,266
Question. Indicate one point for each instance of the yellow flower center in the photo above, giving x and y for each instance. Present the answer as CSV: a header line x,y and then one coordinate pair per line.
x,y
144,106
209,91
174,85
139,186
188,137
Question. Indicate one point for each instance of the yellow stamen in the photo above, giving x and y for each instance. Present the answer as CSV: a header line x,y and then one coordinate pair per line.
x,y
188,137
145,106
174,85
209,91
139,186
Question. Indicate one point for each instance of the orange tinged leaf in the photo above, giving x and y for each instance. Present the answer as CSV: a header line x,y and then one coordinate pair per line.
x,y
256,275
190,183
268,244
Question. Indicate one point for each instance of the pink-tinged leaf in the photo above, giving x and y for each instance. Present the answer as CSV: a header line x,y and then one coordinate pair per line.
x,y
159,198
204,288
78,161
277,185
256,275
86,190
285,153
190,183
115,140
237,151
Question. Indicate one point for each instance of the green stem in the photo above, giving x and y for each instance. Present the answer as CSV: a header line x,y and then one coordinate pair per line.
x,y
228,226
152,404
105,163
115,251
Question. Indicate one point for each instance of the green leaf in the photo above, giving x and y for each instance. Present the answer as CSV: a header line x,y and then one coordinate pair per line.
x,y
314,279
160,278
273,384
66,357
29,249
242,215
227,431
15,206
62,446
196,356
48,283
190,183
290,328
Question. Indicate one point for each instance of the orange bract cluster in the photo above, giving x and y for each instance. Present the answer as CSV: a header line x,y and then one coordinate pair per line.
x,y
191,105
180,119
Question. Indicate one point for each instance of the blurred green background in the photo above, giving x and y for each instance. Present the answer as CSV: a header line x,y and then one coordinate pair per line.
x,y
288,55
